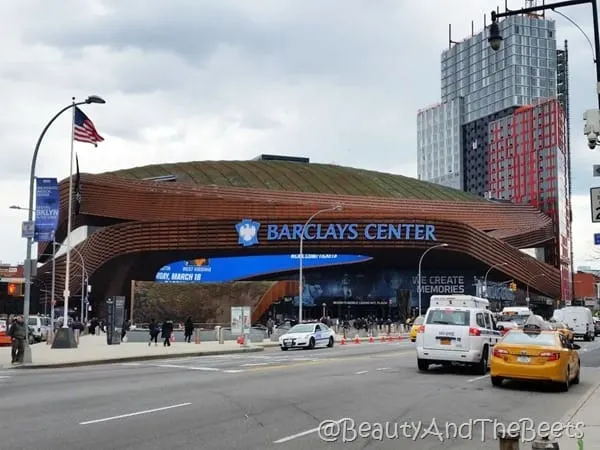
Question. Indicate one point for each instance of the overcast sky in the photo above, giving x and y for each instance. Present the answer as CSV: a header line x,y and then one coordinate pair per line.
x,y
337,81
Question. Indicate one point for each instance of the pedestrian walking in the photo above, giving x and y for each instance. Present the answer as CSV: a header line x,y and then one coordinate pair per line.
x,y
167,330
154,332
189,329
17,333
270,326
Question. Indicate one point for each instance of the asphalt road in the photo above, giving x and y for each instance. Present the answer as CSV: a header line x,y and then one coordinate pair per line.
x,y
269,400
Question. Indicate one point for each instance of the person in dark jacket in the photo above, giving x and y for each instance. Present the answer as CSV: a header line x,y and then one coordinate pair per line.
x,y
167,330
189,329
17,332
154,332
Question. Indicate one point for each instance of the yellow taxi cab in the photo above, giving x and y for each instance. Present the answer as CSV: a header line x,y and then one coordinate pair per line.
x,y
414,330
564,329
536,353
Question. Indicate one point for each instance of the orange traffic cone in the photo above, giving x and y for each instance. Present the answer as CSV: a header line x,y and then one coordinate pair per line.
x,y
343,341
390,338
371,339
356,339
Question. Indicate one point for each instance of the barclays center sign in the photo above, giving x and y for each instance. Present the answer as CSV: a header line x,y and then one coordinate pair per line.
x,y
251,232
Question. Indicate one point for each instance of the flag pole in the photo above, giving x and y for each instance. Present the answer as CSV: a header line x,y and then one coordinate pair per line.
x,y
67,292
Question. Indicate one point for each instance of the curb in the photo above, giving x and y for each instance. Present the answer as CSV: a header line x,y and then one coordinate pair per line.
x,y
580,404
135,358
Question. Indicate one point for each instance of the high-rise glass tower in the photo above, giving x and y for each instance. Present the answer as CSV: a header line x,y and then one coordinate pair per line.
x,y
483,89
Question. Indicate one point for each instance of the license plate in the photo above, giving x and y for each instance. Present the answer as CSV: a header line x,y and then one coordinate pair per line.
x,y
445,341
524,359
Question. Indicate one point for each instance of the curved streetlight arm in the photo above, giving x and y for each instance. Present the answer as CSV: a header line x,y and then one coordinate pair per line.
x,y
532,279
28,265
301,255
553,6
495,266
420,262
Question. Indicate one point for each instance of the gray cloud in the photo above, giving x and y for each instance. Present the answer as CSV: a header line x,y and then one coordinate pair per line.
x,y
339,82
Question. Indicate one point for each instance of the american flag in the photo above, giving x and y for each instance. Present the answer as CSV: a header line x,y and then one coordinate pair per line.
x,y
84,130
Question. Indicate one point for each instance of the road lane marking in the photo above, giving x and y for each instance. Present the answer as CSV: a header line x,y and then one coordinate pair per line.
x,y
383,368
477,378
362,372
131,364
303,433
3,377
254,364
204,369
138,413
233,371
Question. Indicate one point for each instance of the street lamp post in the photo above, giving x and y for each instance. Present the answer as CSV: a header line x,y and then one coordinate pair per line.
x,y
28,262
485,285
301,255
534,277
420,262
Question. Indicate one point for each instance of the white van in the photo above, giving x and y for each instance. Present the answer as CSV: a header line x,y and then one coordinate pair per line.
x,y
517,314
40,326
580,320
457,329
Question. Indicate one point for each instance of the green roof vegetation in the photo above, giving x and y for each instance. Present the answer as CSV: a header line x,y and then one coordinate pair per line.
x,y
299,177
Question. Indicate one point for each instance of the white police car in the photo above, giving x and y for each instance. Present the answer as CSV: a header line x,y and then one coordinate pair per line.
x,y
307,335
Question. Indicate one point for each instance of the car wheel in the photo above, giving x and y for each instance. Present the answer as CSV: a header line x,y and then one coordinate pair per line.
x,y
586,337
330,343
482,366
577,378
284,349
311,343
497,381
413,340
423,365
564,385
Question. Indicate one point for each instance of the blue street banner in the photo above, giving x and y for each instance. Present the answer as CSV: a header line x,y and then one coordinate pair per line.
x,y
47,203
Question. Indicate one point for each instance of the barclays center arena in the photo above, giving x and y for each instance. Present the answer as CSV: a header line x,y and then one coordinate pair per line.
x,y
210,223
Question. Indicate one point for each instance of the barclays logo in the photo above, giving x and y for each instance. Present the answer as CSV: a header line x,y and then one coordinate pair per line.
x,y
247,231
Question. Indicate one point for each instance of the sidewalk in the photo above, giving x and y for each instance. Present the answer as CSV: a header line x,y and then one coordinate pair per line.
x,y
588,413
94,350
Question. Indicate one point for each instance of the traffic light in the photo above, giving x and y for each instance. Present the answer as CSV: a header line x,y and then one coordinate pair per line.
x,y
14,289
513,286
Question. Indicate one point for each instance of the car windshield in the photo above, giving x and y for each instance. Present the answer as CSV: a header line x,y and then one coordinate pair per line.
x,y
542,339
419,320
302,328
448,317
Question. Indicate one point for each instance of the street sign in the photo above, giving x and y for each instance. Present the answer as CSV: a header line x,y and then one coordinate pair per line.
x,y
596,238
27,230
595,204
597,170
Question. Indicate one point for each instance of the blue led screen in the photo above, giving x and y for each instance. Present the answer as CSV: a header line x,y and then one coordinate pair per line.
x,y
235,268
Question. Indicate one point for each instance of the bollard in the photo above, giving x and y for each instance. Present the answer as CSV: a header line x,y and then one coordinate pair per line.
x,y
508,441
77,333
197,336
544,443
